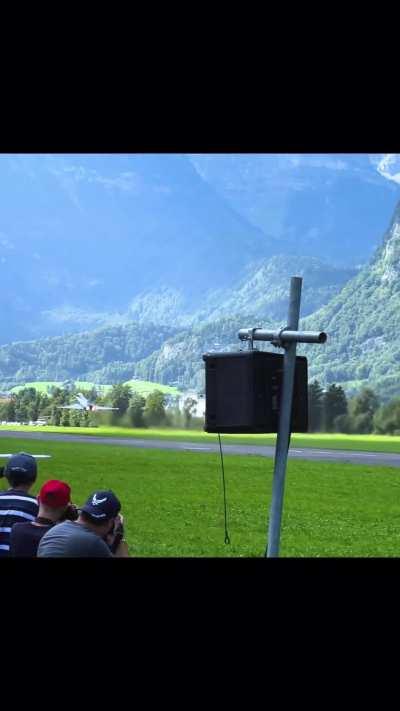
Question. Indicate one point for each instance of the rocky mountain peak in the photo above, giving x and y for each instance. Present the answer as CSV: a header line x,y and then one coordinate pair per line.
x,y
387,263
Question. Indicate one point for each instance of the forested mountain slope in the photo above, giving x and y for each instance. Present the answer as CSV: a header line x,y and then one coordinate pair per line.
x,y
363,324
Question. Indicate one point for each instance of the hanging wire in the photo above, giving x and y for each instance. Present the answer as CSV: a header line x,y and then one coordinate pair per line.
x,y
227,539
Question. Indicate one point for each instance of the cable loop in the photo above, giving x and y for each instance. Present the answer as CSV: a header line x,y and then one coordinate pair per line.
x,y
227,539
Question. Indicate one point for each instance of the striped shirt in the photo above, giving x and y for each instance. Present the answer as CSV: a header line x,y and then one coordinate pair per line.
x,y
16,506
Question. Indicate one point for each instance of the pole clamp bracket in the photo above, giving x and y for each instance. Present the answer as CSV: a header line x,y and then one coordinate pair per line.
x,y
250,338
277,339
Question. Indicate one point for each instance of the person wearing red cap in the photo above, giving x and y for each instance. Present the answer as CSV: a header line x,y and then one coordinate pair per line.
x,y
54,505
97,532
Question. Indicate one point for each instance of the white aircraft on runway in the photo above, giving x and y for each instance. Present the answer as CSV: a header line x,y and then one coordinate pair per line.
x,y
84,404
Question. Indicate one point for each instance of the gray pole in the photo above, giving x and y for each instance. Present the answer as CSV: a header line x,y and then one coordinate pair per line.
x,y
289,362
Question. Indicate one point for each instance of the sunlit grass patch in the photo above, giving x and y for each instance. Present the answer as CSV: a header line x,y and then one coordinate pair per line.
x,y
172,501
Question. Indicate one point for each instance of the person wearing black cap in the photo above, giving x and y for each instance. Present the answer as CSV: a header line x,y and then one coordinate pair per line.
x,y
16,505
99,521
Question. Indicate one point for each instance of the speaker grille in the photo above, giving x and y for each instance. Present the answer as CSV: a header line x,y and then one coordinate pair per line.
x,y
243,392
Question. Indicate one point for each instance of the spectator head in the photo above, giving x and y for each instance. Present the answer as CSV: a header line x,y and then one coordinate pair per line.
x,y
100,511
54,498
21,470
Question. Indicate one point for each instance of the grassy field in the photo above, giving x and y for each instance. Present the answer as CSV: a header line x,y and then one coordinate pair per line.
x,y
367,443
145,387
172,501
43,386
139,386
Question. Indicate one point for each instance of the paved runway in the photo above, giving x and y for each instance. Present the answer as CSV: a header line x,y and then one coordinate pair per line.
x,y
370,458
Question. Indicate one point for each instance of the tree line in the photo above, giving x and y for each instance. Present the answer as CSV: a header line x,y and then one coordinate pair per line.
x,y
134,410
77,354
331,411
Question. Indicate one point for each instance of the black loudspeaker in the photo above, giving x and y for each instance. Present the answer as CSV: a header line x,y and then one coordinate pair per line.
x,y
243,392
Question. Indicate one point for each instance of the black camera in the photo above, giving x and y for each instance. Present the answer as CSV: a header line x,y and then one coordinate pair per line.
x,y
71,513
118,533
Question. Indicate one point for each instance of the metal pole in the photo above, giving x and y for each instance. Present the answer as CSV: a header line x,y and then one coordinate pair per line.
x,y
259,334
281,452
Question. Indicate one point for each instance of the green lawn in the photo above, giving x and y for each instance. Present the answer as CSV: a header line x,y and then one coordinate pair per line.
x,y
368,443
43,386
144,387
172,501
139,386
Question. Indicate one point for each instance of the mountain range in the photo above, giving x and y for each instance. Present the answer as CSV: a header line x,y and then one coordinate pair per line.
x,y
88,234
335,207
94,240
363,322
177,252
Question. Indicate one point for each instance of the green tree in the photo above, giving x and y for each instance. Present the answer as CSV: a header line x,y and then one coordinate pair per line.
x,y
189,405
10,414
92,394
33,408
60,396
21,412
387,418
44,405
119,397
174,416
315,406
335,404
362,409
75,418
155,408
136,410
85,418
55,416
65,419
343,423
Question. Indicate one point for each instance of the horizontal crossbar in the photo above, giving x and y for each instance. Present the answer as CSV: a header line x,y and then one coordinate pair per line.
x,y
259,334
